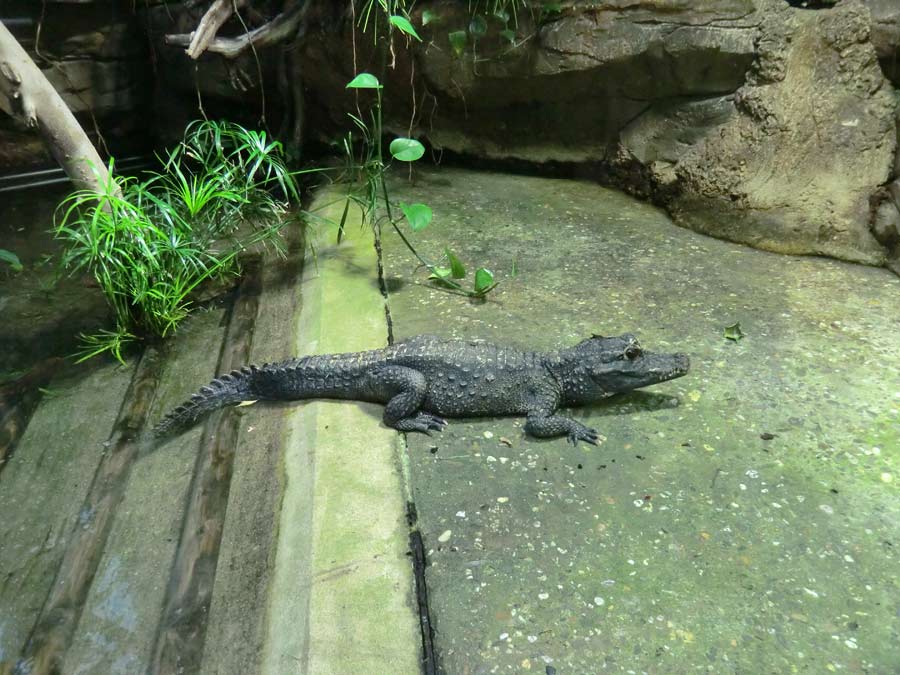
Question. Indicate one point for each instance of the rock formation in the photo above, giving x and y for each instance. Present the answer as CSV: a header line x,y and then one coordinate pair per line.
x,y
749,120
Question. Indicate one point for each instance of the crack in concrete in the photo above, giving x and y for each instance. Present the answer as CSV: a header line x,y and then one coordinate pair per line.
x,y
416,544
382,285
420,563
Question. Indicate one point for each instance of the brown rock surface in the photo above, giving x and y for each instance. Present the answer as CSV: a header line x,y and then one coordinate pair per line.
x,y
749,120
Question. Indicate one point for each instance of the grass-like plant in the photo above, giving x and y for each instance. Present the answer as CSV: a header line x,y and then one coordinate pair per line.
x,y
150,243
11,259
500,9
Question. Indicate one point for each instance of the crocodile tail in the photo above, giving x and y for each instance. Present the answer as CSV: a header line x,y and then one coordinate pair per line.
x,y
234,387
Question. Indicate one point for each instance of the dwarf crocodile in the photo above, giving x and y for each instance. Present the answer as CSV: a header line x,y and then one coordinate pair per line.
x,y
424,378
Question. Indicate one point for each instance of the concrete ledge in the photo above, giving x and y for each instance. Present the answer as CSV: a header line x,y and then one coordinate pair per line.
x,y
116,629
42,490
341,595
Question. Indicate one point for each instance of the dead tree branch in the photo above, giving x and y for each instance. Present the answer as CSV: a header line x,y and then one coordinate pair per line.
x,y
217,14
27,95
283,26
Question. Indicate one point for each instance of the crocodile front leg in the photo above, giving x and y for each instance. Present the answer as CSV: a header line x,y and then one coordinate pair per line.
x,y
543,422
548,425
405,388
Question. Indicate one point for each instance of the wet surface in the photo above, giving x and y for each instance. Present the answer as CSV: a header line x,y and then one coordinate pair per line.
x,y
259,539
42,311
744,518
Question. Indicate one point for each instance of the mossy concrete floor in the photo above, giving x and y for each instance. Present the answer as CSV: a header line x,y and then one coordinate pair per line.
x,y
269,539
744,518
272,538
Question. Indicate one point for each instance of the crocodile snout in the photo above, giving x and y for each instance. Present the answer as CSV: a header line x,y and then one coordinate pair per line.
x,y
682,364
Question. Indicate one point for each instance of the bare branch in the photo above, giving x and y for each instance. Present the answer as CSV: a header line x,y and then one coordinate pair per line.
x,y
281,27
218,13
26,94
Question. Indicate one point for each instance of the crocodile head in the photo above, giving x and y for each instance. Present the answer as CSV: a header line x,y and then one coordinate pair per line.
x,y
601,366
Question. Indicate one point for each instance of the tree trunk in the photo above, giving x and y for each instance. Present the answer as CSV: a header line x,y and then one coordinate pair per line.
x,y
29,97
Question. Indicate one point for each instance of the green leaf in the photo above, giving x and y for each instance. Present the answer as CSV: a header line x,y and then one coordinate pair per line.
x,y
478,26
457,269
501,15
440,273
458,40
550,7
443,277
364,81
407,149
418,215
509,35
340,232
734,332
429,16
12,259
404,25
484,281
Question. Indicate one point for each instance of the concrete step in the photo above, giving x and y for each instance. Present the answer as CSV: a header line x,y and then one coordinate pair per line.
x,y
270,538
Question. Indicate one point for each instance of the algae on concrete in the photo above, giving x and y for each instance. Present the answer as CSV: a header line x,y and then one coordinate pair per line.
x,y
342,590
744,518
312,574
236,634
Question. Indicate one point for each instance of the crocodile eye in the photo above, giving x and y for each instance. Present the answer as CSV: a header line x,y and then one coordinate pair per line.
x,y
632,352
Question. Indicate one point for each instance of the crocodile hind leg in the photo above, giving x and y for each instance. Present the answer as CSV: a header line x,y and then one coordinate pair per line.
x,y
406,388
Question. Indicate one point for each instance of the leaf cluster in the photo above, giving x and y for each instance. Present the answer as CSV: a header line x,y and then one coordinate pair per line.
x,y
11,259
150,242
418,216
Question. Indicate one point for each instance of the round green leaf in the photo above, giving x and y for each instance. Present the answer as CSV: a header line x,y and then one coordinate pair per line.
x,y
440,273
478,26
418,215
429,16
364,81
734,332
484,280
508,35
407,149
404,25
458,41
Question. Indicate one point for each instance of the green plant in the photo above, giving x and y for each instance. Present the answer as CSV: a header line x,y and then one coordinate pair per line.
x,y
396,12
150,243
245,160
102,341
368,167
11,259
371,172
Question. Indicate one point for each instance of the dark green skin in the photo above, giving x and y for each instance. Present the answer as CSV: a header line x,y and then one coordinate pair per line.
x,y
426,378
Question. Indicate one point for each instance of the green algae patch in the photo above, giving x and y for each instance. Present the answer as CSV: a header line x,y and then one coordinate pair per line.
x,y
744,517
341,598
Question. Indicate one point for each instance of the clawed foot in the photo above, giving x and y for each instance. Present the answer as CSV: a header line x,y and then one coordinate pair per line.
x,y
422,422
583,433
553,426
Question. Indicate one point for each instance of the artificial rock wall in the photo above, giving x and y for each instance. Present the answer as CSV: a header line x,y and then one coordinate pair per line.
x,y
750,120
95,53
758,121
